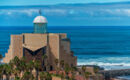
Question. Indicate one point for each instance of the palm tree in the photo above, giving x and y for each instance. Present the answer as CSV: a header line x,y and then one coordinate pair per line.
x,y
83,71
62,64
22,64
44,57
67,70
30,66
16,61
15,65
16,72
27,76
1,67
19,65
83,68
37,66
1,78
1,72
11,63
7,71
73,70
17,78
56,62
42,75
62,76
96,69
48,76
1,56
87,74
45,76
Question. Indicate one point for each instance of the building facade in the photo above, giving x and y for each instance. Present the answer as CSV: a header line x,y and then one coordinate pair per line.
x,y
33,46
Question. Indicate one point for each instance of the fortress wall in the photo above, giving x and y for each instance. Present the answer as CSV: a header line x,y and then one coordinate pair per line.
x,y
15,48
66,45
54,42
66,54
6,59
8,55
16,42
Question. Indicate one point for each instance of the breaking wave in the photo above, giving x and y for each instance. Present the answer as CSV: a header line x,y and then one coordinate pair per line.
x,y
107,66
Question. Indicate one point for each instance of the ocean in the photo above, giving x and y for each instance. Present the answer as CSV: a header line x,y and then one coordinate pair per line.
x,y
108,47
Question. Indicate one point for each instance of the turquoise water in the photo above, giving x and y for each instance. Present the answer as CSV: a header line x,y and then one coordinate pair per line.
x,y
106,47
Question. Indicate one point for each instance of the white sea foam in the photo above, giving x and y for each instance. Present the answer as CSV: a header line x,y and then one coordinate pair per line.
x,y
104,64
107,65
107,62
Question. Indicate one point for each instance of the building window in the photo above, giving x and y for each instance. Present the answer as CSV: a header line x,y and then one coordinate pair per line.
x,y
43,63
44,68
51,68
71,65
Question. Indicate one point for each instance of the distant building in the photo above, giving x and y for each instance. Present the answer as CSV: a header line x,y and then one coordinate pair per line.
x,y
34,45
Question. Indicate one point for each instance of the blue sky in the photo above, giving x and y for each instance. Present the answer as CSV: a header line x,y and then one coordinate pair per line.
x,y
69,15
46,2
117,14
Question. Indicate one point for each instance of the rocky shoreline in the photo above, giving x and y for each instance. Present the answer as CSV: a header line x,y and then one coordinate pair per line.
x,y
120,74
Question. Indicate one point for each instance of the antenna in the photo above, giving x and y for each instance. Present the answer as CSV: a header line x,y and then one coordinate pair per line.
x,y
40,12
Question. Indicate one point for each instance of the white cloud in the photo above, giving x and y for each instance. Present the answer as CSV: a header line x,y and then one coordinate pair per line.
x,y
118,12
91,12
55,11
28,12
127,12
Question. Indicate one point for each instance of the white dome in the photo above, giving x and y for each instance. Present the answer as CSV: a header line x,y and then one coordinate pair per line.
x,y
40,19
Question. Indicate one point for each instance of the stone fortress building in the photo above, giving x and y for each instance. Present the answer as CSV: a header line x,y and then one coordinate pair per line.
x,y
35,45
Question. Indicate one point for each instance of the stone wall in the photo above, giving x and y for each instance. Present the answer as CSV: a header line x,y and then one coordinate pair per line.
x,y
66,45
54,42
17,49
66,54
